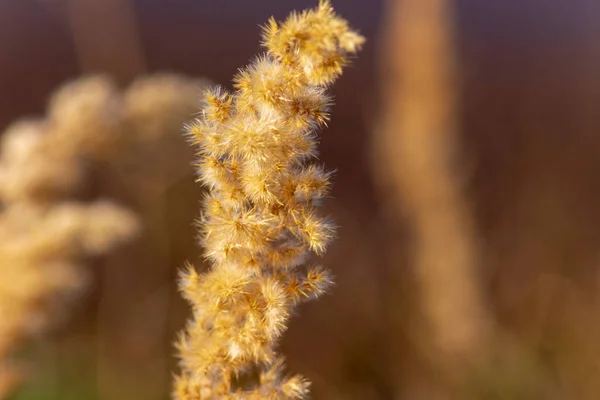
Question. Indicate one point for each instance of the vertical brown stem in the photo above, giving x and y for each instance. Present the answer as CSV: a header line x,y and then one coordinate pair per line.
x,y
416,168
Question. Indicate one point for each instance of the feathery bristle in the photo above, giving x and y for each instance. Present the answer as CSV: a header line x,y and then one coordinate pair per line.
x,y
260,222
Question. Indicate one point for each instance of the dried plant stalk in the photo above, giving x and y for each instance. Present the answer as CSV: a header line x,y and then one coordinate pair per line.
x,y
260,223
416,166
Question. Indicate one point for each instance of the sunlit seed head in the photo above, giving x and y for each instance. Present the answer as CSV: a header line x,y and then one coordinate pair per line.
x,y
260,222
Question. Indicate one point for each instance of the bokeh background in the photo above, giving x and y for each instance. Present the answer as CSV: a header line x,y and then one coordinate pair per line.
x,y
523,145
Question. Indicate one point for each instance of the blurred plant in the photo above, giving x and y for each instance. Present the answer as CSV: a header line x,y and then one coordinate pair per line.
x,y
47,225
418,171
44,235
259,222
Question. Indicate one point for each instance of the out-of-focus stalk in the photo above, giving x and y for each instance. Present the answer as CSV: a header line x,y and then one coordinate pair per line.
x,y
417,169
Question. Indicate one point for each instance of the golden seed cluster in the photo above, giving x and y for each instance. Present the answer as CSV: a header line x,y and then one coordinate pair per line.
x,y
260,225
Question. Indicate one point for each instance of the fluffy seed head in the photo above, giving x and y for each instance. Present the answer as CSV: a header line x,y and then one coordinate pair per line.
x,y
260,223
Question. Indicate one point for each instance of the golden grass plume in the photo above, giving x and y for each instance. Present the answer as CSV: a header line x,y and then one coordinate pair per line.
x,y
260,225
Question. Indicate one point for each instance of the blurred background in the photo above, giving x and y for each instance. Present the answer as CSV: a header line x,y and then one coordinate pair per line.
x,y
466,141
